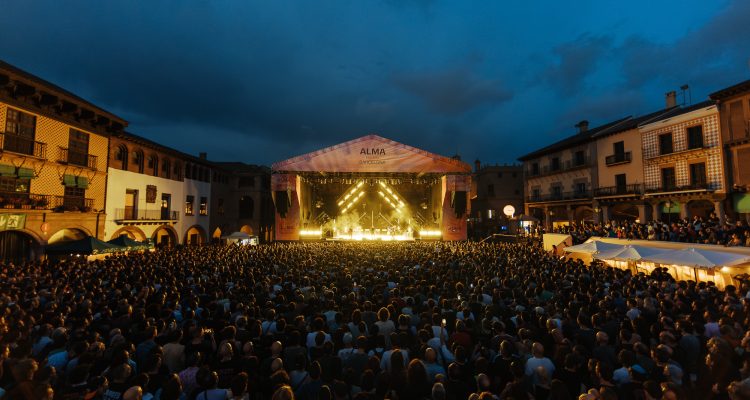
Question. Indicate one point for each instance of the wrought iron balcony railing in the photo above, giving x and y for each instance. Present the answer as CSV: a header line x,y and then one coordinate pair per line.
x,y
78,158
22,145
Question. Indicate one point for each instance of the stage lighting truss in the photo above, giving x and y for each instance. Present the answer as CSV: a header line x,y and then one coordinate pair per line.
x,y
391,197
351,196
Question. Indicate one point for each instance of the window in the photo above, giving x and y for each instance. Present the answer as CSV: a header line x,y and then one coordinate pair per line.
x,y
695,137
555,163
535,193
165,169
738,124
14,185
121,155
177,171
665,143
204,206
20,124
491,190
246,209
138,160
166,206
189,205
246,181
535,169
220,206
557,192
668,178
580,188
153,164
579,158
618,148
698,174
78,148
74,196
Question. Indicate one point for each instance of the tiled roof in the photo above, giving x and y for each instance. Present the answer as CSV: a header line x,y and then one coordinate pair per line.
x,y
574,140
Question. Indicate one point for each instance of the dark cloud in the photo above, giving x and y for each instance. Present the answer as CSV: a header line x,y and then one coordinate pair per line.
x,y
576,60
452,91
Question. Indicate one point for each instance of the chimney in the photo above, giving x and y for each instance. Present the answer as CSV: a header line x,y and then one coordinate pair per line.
x,y
671,98
202,155
582,126
477,165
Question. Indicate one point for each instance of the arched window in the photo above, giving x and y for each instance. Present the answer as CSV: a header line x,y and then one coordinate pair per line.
x,y
121,155
166,169
177,171
153,164
138,160
247,207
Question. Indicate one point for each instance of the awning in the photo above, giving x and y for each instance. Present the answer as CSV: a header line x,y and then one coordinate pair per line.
x,y
238,236
82,182
69,180
7,170
88,245
628,253
26,173
693,257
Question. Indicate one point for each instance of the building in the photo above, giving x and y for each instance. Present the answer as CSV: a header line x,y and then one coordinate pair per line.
x,y
619,190
241,200
156,192
493,188
53,165
734,112
682,163
559,179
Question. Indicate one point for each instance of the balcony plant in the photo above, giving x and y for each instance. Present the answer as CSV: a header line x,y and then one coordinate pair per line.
x,y
40,203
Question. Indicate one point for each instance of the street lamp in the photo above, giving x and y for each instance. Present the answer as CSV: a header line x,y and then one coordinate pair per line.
x,y
668,204
598,211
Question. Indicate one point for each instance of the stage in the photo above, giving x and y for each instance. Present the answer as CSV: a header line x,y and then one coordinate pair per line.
x,y
371,189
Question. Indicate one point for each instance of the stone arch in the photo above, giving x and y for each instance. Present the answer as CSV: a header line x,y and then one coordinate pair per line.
x,y
138,160
164,236
133,232
194,235
68,234
17,246
623,212
584,213
700,207
121,155
247,229
216,234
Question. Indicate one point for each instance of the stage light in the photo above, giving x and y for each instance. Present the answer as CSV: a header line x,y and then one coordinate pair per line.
x,y
430,233
311,232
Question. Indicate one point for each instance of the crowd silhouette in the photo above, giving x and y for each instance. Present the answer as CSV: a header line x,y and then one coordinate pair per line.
x,y
417,320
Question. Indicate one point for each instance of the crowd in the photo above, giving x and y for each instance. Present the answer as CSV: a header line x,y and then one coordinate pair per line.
x,y
689,230
420,320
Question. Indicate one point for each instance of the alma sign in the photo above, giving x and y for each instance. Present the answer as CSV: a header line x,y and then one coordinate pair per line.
x,y
509,210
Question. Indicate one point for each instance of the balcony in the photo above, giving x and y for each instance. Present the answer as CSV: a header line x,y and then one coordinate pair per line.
x,y
565,196
81,159
34,201
134,216
568,165
618,158
622,190
22,145
669,188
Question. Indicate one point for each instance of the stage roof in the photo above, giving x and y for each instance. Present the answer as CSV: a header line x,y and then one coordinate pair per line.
x,y
372,154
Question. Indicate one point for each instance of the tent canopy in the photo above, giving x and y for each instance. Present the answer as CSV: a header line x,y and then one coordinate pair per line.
x,y
593,247
693,257
238,236
628,253
88,245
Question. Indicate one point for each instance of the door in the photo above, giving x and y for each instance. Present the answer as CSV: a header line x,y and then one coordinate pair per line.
x,y
131,202
165,206
621,183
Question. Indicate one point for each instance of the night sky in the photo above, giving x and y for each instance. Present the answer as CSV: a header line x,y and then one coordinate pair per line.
x,y
261,81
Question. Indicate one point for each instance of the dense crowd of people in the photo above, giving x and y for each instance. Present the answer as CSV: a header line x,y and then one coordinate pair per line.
x,y
689,230
419,320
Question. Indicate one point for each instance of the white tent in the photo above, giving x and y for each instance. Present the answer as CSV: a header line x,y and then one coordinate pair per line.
x,y
693,257
238,236
628,253
593,247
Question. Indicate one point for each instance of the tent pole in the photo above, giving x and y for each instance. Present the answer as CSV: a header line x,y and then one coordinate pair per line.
x,y
696,274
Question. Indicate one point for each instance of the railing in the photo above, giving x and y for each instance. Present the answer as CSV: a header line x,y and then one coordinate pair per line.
x,y
73,203
22,145
675,188
134,214
77,158
34,201
618,158
635,188
562,167
559,196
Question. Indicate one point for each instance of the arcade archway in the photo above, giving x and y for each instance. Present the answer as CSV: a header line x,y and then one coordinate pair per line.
x,y
164,236
16,247
195,235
